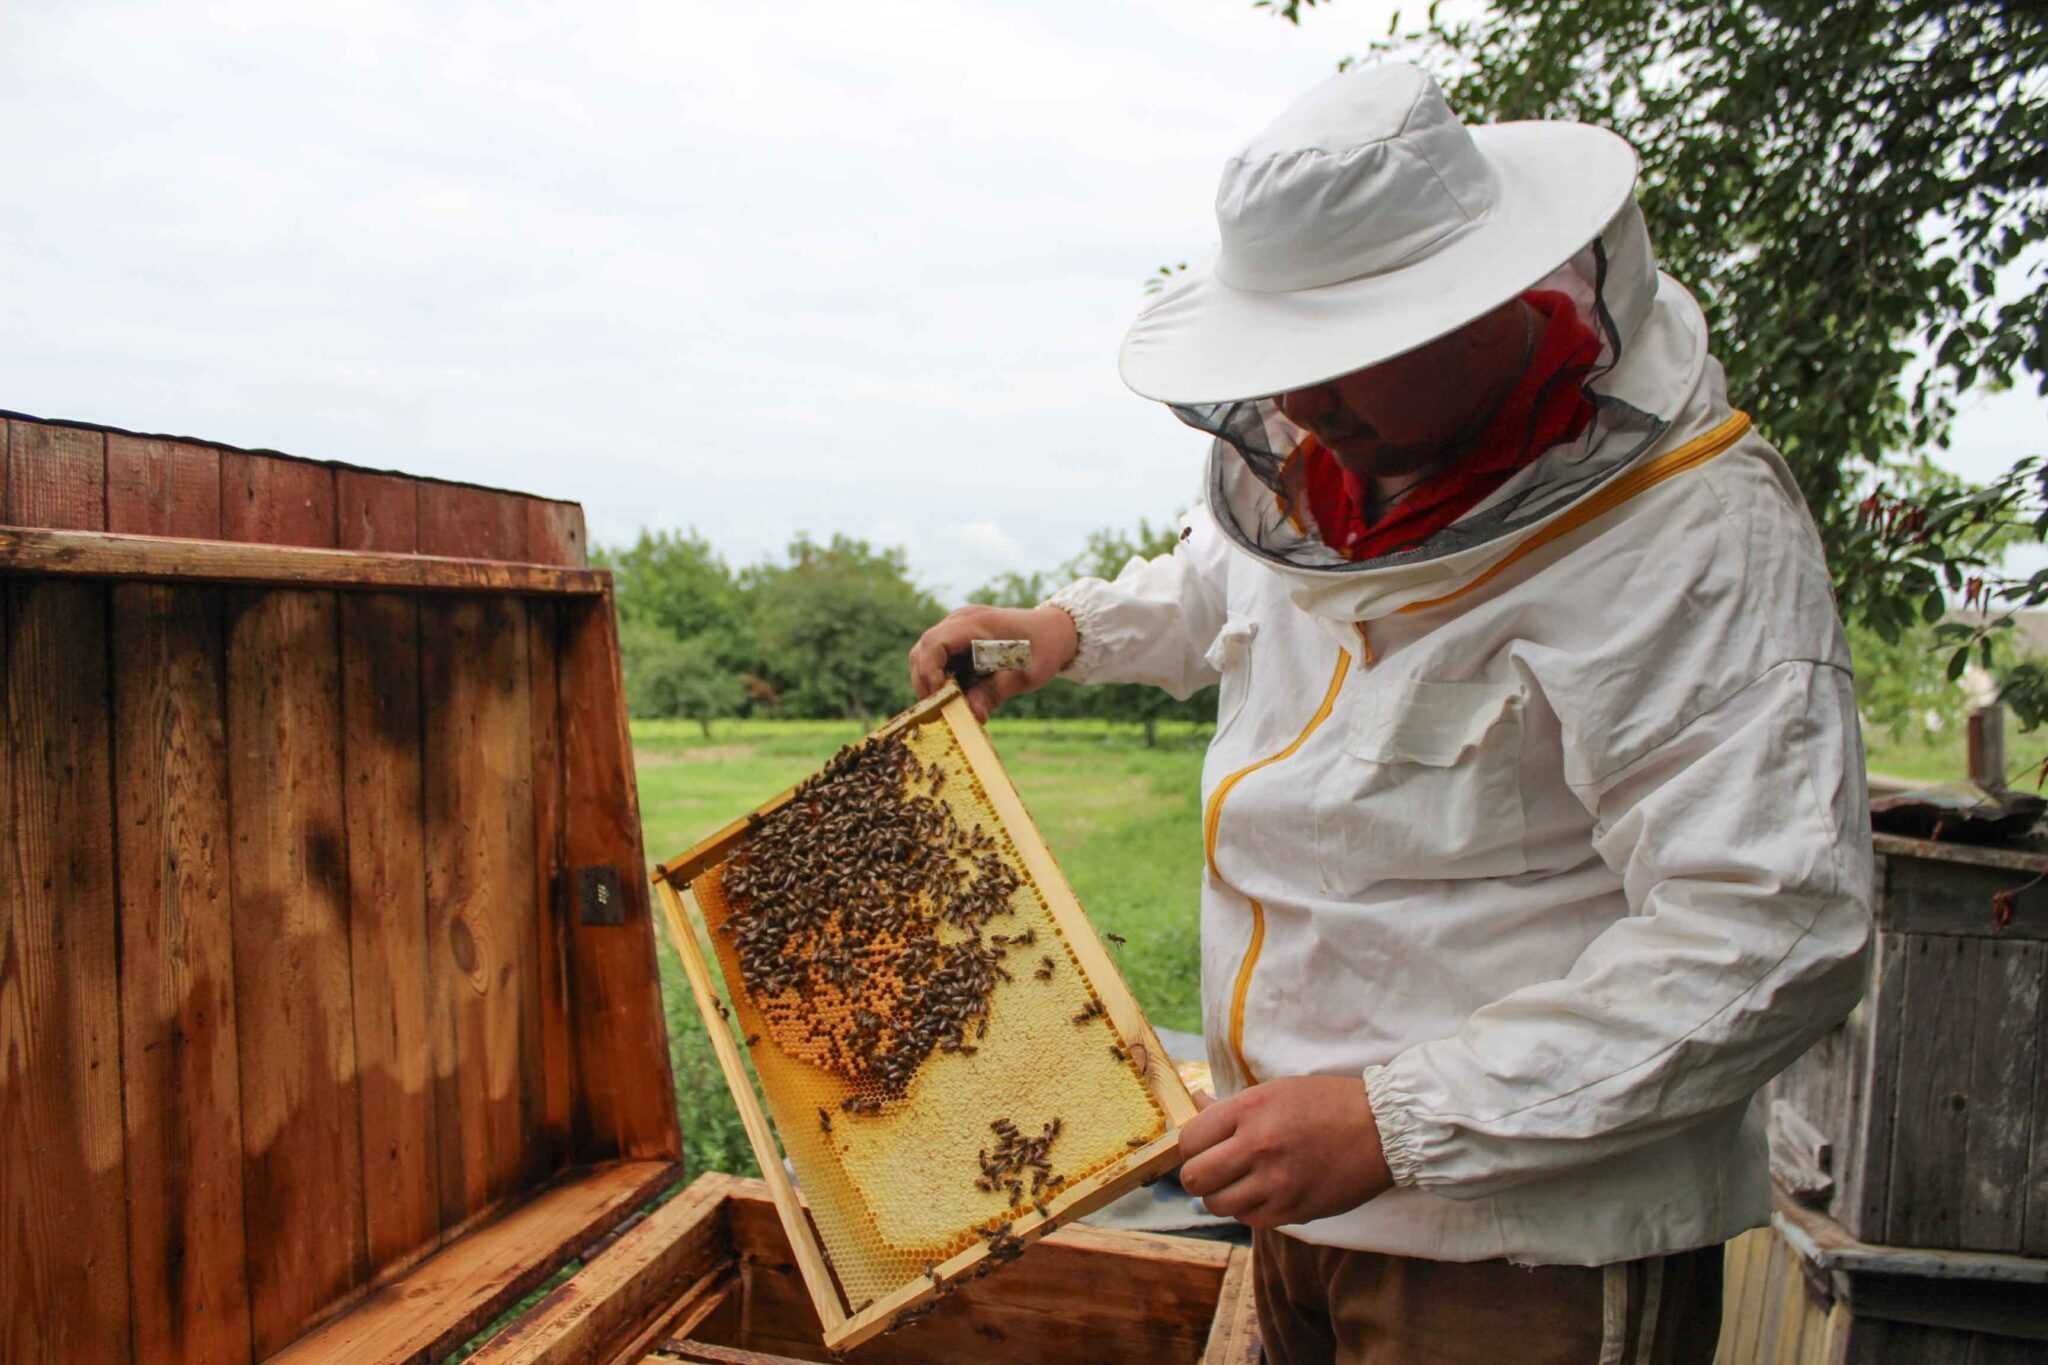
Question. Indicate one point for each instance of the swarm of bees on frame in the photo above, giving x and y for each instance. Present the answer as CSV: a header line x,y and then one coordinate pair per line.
x,y
861,915
865,888
846,890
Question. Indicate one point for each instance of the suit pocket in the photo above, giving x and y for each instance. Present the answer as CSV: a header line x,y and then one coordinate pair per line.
x,y
1427,786
1231,656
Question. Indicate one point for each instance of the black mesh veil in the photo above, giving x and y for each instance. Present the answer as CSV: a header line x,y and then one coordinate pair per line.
x,y
1253,440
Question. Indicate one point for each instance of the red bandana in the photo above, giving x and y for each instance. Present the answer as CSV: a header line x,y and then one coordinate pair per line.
x,y
1547,406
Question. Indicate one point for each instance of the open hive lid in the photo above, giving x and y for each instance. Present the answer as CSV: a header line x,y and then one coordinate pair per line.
x,y
951,1061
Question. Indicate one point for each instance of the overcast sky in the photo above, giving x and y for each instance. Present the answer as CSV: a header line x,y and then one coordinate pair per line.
x,y
754,269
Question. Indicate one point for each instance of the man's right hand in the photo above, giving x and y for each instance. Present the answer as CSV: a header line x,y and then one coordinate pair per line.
x,y
1053,645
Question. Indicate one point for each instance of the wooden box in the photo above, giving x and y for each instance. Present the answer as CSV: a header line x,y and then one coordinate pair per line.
x,y
1923,1120
330,1021
1804,1292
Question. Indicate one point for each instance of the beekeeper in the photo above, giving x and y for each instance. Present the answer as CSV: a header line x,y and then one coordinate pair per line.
x,y
1535,821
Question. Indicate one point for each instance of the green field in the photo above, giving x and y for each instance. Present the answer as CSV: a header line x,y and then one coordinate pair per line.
x,y
1124,821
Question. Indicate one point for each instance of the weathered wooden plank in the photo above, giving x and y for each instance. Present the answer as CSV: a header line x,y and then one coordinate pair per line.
x,y
162,488
629,1284
63,1222
388,922
2034,1232
1986,1349
554,533
1864,1157
1234,1332
56,477
711,1299
89,554
387,877
483,926
1951,895
549,1122
2005,1069
1079,1294
182,1087
692,1352
295,1020
474,523
625,1096
1929,1143
433,1308
377,512
1742,1322
270,500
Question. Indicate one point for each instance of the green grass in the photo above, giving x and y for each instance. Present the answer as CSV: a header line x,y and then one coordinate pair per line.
x,y
1123,820
1919,757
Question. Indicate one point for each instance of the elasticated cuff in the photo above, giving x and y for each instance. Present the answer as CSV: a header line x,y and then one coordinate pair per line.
x,y
1393,1112
1081,600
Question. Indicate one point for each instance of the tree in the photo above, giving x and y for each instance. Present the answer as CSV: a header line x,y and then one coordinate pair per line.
x,y
668,677
1854,189
676,581
833,627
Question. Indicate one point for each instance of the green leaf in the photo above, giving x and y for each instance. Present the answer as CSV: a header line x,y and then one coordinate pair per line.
x,y
1934,607
1957,662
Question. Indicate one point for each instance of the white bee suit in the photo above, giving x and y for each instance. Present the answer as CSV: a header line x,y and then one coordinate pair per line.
x,y
1556,833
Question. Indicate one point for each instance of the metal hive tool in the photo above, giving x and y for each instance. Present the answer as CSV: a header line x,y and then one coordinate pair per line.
x,y
950,1073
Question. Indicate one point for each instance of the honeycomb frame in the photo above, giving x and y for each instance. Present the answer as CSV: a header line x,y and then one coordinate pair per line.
x,y
1147,1154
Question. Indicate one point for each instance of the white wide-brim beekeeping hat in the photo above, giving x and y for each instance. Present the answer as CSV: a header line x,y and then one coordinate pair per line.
x,y
1364,222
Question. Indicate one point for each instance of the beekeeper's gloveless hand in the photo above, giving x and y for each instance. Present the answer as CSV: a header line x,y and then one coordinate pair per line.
x,y
1285,1151
1050,631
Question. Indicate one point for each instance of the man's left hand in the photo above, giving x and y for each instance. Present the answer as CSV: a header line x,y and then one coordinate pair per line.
x,y
1287,1151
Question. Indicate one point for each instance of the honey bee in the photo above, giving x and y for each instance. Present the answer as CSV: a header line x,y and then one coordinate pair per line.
x,y
824,1121
1118,939
753,1038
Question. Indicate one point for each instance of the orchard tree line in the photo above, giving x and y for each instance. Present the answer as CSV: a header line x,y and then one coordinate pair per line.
x,y
823,632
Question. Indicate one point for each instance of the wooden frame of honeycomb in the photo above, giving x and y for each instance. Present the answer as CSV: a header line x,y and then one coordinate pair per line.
x,y
895,1211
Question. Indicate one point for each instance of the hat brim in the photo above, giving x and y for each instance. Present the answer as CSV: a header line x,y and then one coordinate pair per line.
x,y
1205,342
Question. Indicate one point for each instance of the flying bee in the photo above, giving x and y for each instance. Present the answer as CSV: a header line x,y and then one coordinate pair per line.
x,y
1118,939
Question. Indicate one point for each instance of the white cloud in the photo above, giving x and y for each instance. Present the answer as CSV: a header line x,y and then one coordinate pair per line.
x,y
753,269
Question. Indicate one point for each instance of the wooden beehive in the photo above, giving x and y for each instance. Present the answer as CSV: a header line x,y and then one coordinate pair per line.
x,y
1803,1290
330,1020
896,1214
1923,1120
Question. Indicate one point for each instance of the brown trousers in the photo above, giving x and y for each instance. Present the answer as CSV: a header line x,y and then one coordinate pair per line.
x,y
1326,1306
